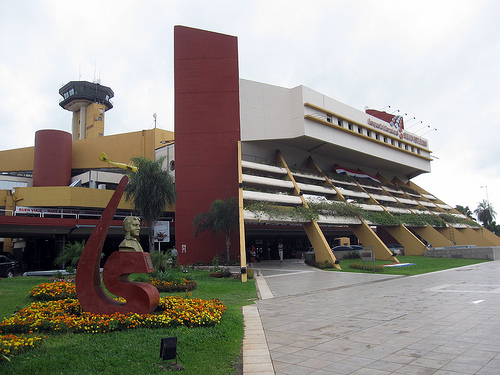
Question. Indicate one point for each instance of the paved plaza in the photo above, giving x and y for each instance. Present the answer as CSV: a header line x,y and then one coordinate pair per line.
x,y
309,321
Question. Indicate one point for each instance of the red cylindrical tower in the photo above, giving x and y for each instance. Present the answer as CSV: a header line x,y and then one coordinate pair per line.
x,y
52,164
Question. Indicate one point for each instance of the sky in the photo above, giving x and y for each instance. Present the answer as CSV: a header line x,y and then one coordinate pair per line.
x,y
435,61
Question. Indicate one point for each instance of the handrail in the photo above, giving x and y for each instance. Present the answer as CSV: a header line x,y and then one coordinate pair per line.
x,y
77,216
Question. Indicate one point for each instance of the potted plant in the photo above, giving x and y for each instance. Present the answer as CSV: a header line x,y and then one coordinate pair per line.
x,y
217,270
220,272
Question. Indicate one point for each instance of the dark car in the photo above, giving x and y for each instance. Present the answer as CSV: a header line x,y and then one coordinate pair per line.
x,y
7,266
342,248
357,247
396,249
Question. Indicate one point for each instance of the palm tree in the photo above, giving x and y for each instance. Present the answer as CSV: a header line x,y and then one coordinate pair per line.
x,y
221,218
485,213
465,210
71,254
151,188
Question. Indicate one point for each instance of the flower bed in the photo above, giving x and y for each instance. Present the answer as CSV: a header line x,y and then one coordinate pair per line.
x,y
62,289
68,316
13,344
53,291
58,310
172,286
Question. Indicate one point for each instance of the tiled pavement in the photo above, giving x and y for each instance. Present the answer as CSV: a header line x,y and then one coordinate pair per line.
x,y
316,322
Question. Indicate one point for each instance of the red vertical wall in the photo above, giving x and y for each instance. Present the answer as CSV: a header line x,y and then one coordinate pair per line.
x,y
52,159
207,131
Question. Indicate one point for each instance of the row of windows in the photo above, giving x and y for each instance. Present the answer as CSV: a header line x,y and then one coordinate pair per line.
x,y
69,93
373,134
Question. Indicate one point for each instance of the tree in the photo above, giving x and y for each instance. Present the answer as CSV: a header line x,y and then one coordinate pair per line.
x,y
221,218
494,228
485,213
465,210
151,188
71,254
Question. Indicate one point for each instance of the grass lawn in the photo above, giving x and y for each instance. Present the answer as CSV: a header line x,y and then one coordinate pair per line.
x,y
211,350
422,265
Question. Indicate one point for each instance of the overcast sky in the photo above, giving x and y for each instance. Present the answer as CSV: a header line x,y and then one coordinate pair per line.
x,y
437,61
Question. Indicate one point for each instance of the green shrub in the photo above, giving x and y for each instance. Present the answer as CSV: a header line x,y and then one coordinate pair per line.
x,y
160,260
250,274
71,254
170,275
352,255
368,267
324,265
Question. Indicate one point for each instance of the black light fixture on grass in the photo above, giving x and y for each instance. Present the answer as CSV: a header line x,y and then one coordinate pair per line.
x,y
168,349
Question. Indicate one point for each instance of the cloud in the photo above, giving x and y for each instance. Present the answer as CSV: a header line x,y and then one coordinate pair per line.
x,y
434,60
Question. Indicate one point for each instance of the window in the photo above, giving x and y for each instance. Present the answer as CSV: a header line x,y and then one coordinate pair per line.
x,y
339,122
350,126
368,133
377,136
360,130
71,91
328,118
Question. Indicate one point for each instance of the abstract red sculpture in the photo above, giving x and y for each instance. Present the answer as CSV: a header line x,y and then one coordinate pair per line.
x,y
140,298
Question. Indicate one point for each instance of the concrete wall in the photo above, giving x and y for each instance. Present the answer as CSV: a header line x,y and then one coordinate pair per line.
x,y
491,253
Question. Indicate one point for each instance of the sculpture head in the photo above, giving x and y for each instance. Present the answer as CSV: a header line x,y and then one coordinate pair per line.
x,y
132,227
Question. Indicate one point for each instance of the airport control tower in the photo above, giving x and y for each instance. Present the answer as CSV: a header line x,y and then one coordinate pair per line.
x,y
88,101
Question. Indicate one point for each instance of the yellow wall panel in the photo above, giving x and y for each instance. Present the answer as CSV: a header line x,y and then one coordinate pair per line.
x,y
18,159
490,236
65,196
475,237
322,250
85,155
370,239
3,196
432,236
120,147
411,244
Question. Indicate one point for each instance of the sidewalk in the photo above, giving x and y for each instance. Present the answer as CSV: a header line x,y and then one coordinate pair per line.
x,y
319,322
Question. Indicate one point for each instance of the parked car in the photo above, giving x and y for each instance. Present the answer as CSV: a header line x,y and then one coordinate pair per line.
x,y
309,250
342,248
7,266
396,249
347,252
8,255
309,256
357,247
